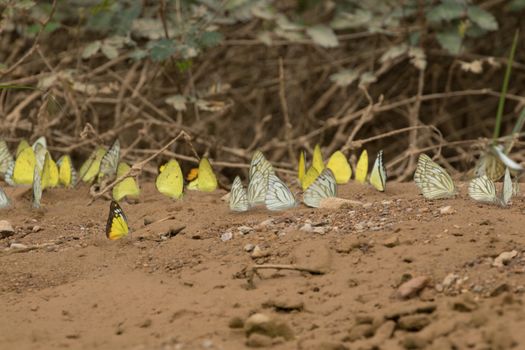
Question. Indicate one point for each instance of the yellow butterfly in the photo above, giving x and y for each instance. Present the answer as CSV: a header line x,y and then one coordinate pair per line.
x,y
170,181
49,173
309,177
90,168
317,161
340,167
24,166
301,169
117,226
127,187
5,157
362,167
67,175
22,146
378,174
206,180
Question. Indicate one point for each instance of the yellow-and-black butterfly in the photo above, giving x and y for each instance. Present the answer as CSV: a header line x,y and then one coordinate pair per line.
x,y
117,226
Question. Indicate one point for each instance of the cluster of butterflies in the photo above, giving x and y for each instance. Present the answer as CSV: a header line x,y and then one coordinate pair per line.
x,y
318,182
435,183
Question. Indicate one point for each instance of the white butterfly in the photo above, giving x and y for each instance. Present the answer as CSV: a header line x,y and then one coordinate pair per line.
x,y
8,176
41,142
260,169
4,200
238,197
278,195
324,186
37,188
483,189
378,174
5,157
433,181
109,163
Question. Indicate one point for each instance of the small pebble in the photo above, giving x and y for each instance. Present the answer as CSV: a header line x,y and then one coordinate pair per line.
x,y
226,236
504,258
248,247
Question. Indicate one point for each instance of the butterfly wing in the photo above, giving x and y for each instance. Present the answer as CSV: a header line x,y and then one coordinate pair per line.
x,y
40,142
67,175
49,172
22,145
482,189
506,195
257,187
23,170
117,226
170,181
206,180
340,167
91,167
278,195
37,187
324,186
259,164
5,157
8,176
109,163
317,161
310,177
378,174
238,196
301,167
127,187
433,181
4,200
361,169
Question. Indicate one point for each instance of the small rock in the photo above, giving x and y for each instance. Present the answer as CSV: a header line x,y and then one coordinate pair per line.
x,y
286,305
449,279
447,210
248,247
148,221
367,205
401,310
464,303
500,289
319,230
412,287
226,236
236,322
6,230
36,228
269,326
17,246
413,323
391,242
226,197
146,324
504,258
265,223
257,252
245,229
360,331
207,344
307,227
256,340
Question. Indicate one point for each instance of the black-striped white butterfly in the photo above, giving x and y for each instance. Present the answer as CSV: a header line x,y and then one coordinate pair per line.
x,y
324,186
238,196
483,189
278,195
433,181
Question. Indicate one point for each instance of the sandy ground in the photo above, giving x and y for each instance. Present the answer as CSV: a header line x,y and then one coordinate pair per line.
x,y
72,288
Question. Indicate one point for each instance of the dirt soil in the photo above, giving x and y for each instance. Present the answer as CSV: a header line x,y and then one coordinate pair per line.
x,y
72,288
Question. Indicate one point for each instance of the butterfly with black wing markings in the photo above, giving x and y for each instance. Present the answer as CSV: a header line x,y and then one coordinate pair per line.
x,y
433,181
117,226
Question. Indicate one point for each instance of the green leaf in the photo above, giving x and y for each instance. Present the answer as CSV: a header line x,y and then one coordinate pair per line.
x,y
345,77
450,41
446,12
210,39
162,50
323,36
482,18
